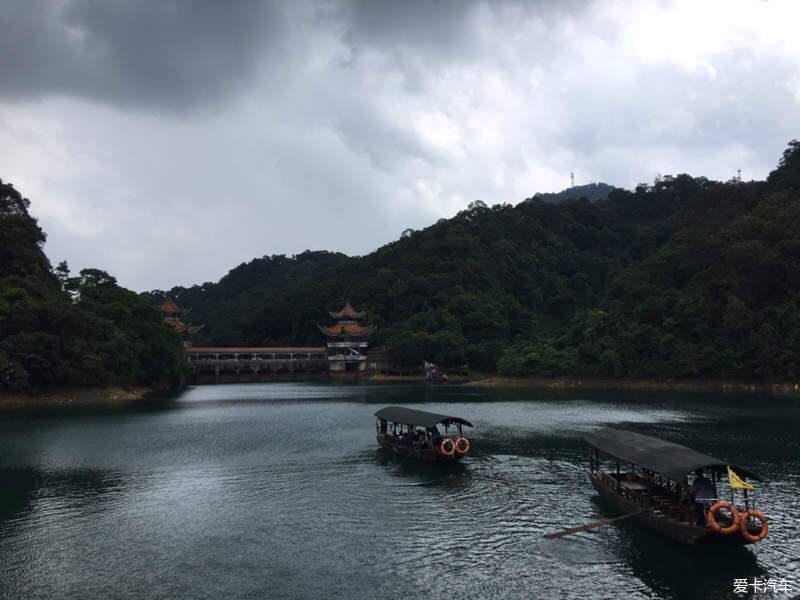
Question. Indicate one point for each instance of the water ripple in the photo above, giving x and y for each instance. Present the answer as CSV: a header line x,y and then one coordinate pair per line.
x,y
224,494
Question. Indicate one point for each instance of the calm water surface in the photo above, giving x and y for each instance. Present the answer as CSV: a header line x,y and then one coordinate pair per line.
x,y
279,491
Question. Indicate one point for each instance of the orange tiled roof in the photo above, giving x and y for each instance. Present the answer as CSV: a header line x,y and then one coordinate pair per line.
x,y
175,324
348,312
347,329
169,306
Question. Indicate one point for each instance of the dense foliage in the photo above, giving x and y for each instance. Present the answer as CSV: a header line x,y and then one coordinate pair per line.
x,y
268,301
687,277
590,191
57,330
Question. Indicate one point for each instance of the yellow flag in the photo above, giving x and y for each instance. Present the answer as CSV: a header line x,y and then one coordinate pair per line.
x,y
736,481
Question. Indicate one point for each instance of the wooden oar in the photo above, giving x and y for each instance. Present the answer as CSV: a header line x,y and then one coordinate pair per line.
x,y
558,534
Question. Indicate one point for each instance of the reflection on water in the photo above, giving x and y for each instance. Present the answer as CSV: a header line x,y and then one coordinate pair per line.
x,y
280,491
656,560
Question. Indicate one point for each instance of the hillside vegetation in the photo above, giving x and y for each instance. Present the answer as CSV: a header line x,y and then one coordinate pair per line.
x,y
685,278
590,191
57,330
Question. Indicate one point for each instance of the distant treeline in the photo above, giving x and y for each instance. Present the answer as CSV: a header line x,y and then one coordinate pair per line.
x,y
686,277
57,330
591,191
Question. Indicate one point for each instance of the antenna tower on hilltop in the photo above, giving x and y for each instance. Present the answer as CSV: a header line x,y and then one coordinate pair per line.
x,y
572,179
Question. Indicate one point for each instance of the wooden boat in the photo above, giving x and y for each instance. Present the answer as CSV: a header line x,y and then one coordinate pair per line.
x,y
416,433
655,484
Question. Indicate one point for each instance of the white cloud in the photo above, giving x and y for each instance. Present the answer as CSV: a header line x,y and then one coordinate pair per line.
x,y
353,121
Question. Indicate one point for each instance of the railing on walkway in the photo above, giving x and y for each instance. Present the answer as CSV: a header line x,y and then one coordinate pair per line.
x,y
256,360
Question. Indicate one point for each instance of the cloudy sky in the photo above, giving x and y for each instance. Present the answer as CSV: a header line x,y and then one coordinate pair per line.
x,y
167,141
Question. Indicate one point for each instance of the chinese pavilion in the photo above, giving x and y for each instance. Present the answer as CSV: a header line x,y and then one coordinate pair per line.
x,y
347,340
172,315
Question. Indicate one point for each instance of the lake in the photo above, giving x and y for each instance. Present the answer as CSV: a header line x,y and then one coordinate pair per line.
x,y
278,490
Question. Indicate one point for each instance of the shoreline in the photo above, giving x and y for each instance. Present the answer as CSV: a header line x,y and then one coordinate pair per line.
x,y
118,396
716,386
74,398
721,386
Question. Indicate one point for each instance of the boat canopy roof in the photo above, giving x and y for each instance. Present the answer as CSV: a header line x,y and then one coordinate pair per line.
x,y
673,460
411,416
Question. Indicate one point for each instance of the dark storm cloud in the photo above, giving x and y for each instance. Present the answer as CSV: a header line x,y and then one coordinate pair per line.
x,y
446,28
146,128
178,53
417,36
168,54
443,27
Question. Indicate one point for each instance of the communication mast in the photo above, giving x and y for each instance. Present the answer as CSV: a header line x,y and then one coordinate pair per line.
x,y
572,179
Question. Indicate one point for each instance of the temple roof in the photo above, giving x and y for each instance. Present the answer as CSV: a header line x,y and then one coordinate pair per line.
x,y
348,312
170,312
176,324
182,327
347,330
169,306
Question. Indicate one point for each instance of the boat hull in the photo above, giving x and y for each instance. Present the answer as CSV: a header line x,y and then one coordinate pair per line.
x,y
681,530
423,454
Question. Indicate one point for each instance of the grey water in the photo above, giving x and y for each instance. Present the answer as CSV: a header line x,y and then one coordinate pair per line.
x,y
278,490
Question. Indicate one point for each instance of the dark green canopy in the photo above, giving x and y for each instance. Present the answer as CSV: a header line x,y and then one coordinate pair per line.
x,y
673,460
411,416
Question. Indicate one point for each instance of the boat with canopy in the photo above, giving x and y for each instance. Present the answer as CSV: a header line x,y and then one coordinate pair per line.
x,y
422,435
651,480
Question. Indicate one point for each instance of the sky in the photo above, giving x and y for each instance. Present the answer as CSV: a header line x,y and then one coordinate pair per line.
x,y
166,142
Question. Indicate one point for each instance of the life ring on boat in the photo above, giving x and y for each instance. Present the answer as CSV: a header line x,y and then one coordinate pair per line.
x,y
447,447
764,527
462,446
712,518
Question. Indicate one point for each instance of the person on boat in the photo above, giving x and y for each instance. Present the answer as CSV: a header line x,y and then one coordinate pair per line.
x,y
686,492
436,436
703,493
425,439
415,439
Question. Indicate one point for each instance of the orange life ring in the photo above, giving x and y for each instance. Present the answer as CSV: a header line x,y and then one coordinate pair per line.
x,y
764,527
447,443
462,446
712,518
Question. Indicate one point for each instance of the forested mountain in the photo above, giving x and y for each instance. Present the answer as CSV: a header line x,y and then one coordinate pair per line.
x,y
258,292
688,277
591,191
57,330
